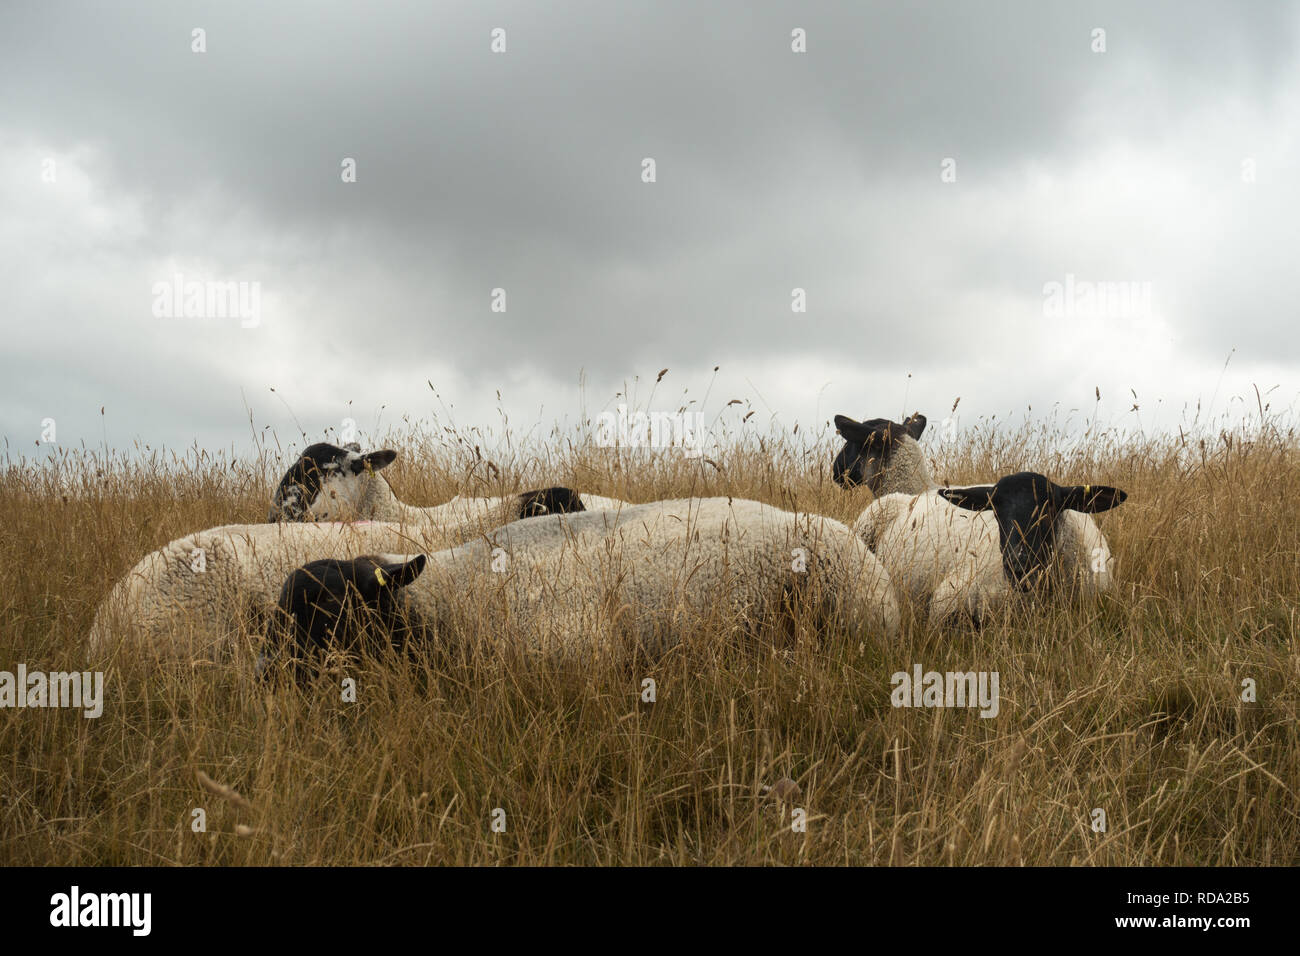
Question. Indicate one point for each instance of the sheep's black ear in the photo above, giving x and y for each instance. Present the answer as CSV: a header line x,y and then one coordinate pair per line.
x,y
399,574
866,433
974,498
878,430
849,429
374,460
1089,498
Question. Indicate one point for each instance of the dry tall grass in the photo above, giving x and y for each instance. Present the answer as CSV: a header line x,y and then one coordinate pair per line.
x,y
1133,706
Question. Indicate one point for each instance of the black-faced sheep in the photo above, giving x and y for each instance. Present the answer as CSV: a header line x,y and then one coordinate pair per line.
x,y
577,585
332,483
965,551
881,455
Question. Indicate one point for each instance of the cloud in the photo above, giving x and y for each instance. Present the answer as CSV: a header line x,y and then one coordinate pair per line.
x,y
776,171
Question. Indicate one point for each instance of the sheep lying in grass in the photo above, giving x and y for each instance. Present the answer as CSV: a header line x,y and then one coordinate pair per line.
x,y
189,598
329,483
882,455
349,596
577,585
966,550
924,541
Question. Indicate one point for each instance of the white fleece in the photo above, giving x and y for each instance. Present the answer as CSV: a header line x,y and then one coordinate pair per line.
x,y
580,583
938,553
187,598
369,497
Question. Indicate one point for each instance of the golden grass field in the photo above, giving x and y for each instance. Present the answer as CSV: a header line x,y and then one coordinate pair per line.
x,y
1132,705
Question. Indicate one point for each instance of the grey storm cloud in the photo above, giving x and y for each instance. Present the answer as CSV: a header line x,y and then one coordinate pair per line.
x,y
522,170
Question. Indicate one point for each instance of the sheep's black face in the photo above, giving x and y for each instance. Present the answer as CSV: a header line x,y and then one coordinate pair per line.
x,y
1027,506
325,481
331,604
549,501
1026,509
868,447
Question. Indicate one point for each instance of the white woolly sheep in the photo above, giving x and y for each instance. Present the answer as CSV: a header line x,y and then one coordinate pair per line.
x,y
187,598
966,550
329,483
922,538
175,608
576,585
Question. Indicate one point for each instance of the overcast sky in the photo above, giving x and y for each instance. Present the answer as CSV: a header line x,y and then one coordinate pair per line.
x,y
1169,160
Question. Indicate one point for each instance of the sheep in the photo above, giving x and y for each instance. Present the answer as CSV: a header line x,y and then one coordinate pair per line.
x,y
918,534
332,483
188,597
332,594
163,597
577,585
967,550
882,455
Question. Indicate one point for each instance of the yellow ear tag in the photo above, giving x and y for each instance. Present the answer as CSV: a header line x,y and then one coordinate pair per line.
x,y
379,576
1087,489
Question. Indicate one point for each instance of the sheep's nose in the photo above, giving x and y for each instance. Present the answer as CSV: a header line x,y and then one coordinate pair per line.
x,y
1021,565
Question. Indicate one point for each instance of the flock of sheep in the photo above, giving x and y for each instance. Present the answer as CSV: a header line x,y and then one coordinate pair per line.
x,y
565,574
